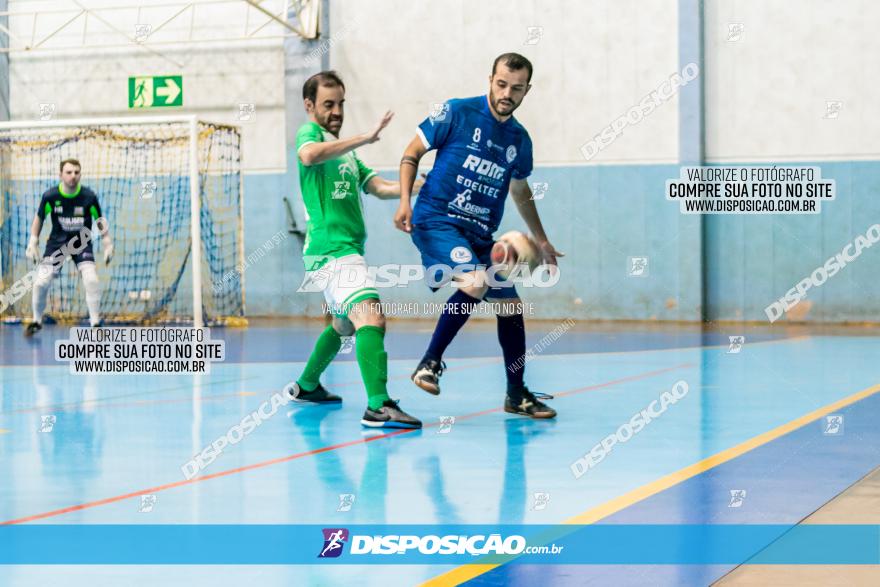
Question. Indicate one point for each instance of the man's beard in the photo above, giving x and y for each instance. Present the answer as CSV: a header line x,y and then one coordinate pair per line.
x,y
326,123
497,106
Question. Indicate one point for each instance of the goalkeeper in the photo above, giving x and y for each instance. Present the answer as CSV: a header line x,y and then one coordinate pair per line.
x,y
72,208
330,176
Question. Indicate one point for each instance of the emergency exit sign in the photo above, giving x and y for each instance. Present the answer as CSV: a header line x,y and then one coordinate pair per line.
x,y
157,91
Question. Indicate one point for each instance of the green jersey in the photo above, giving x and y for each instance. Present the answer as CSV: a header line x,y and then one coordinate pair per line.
x,y
331,193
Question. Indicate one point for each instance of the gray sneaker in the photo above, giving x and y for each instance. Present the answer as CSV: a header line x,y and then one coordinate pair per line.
x,y
319,395
389,416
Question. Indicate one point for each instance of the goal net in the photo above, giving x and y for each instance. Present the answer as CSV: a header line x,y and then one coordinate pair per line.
x,y
163,183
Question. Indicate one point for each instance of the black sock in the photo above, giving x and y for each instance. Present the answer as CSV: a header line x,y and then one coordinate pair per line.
x,y
512,336
457,311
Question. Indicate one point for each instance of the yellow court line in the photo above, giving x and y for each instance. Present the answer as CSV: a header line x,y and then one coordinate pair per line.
x,y
464,573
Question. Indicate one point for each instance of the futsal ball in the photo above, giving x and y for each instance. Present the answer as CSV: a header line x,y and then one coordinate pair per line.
x,y
513,248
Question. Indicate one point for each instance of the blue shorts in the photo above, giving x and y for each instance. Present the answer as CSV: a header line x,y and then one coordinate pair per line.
x,y
444,243
84,256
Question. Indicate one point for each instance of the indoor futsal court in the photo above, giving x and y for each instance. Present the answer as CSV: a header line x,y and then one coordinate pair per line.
x,y
326,292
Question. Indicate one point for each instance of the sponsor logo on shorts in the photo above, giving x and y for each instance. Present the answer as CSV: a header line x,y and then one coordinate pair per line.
x,y
319,272
460,255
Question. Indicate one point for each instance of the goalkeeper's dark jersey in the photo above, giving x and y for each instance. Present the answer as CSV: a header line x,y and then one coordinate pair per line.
x,y
69,213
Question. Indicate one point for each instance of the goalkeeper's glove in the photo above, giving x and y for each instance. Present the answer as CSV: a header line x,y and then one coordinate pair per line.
x,y
32,251
107,245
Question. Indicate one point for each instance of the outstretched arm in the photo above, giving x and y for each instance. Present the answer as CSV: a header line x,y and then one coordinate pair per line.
x,y
409,166
389,190
525,203
314,153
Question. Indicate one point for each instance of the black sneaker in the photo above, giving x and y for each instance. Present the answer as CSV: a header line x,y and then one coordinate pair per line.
x,y
319,395
427,375
525,403
389,416
32,328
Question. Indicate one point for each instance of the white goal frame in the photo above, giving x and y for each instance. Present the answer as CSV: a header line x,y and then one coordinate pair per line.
x,y
194,191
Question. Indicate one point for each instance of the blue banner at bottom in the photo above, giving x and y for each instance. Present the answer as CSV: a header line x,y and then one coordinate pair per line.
x,y
444,545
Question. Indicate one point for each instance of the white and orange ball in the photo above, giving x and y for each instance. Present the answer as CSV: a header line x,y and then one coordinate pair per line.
x,y
513,248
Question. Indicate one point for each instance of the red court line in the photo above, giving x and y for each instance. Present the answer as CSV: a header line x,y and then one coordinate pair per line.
x,y
316,451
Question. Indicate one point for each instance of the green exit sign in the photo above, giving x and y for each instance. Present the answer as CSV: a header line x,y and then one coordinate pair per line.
x,y
155,91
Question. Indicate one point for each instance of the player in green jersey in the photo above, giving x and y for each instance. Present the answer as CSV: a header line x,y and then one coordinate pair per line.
x,y
331,177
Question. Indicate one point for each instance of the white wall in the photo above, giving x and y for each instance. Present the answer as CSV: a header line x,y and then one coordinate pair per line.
x,y
596,59
766,93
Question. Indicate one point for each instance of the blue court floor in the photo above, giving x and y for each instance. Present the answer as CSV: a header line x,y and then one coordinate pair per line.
x,y
755,421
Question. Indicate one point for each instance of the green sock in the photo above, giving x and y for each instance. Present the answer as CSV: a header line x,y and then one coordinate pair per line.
x,y
325,350
373,360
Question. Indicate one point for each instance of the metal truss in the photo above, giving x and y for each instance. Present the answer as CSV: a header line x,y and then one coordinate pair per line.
x,y
67,29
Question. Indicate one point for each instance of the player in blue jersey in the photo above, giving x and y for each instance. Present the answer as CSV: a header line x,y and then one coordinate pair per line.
x,y
482,152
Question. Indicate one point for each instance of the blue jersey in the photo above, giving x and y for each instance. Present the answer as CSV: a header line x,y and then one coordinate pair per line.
x,y
476,158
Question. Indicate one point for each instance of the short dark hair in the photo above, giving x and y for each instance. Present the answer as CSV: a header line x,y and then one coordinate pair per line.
x,y
71,161
513,61
328,79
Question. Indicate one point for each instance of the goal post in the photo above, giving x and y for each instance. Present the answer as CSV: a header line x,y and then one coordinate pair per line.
x,y
171,190
195,220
